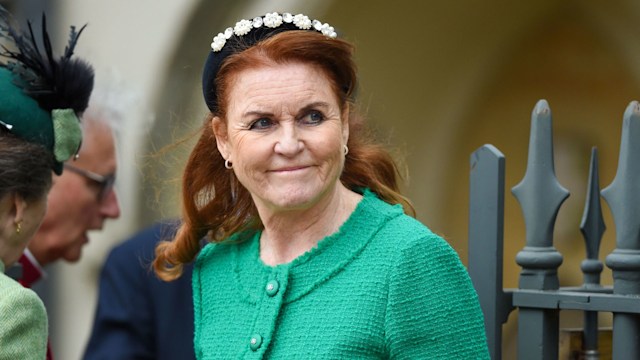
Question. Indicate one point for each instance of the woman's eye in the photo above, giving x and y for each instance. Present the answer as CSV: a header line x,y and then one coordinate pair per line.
x,y
313,118
261,124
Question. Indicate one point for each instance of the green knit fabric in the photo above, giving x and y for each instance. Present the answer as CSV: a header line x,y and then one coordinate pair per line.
x,y
383,287
66,133
23,321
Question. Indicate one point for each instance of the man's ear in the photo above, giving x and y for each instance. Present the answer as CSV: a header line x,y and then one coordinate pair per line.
x,y
219,128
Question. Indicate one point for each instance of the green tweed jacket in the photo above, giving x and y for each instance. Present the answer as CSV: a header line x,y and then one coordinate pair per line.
x,y
23,321
383,287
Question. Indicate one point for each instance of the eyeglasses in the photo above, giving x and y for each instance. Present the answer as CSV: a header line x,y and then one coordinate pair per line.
x,y
105,182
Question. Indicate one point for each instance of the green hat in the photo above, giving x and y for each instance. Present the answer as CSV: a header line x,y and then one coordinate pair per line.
x,y
42,97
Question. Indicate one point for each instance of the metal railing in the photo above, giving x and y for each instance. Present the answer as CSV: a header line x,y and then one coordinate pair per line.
x,y
539,298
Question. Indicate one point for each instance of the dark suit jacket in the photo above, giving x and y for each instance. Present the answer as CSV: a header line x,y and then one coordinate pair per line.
x,y
139,316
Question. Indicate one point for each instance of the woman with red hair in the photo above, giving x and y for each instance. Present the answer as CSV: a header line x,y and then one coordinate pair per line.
x,y
312,253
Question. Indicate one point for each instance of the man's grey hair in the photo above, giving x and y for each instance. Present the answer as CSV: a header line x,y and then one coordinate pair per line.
x,y
109,106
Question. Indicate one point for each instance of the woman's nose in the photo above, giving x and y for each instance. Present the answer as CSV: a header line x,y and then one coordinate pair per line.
x,y
288,142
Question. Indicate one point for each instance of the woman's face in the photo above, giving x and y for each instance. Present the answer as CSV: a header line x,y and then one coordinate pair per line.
x,y
284,135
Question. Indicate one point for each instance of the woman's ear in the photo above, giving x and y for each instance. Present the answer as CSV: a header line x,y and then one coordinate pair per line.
x,y
19,208
345,124
219,128
7,214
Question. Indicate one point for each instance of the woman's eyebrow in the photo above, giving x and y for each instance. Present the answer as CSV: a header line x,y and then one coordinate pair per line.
x,y
314,105
256,113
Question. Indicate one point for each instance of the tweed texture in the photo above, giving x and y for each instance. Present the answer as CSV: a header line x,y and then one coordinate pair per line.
x,y
384,286
23,322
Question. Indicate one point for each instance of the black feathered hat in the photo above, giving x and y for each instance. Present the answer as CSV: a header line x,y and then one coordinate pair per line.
x,y
42,97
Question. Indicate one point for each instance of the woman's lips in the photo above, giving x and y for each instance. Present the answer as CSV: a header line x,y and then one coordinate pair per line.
x,y
290,169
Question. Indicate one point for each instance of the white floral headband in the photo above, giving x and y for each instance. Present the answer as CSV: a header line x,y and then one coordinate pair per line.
x,y
271,20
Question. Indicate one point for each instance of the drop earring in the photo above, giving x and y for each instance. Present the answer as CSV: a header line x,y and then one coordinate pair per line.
x,y
18,227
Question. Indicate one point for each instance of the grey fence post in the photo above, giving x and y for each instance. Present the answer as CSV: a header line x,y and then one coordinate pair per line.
x,y
592,227
539,298
486,236
623,197
540,196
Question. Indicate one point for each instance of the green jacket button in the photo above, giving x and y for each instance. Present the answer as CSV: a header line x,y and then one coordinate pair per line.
x,y
255,342
272,287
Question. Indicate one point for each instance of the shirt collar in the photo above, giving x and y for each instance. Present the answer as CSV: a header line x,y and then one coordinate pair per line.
x,y
32,271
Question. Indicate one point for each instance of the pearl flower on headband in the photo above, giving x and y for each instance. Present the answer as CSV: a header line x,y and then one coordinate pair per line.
x,y
302,21
271,20
242,27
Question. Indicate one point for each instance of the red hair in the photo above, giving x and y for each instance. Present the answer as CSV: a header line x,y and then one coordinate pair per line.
x,y
213,200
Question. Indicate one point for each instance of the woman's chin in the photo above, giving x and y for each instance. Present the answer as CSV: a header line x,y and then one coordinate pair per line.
x,y
290,200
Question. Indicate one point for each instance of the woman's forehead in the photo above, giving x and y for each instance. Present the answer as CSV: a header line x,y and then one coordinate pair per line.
x,y
280,84
275,72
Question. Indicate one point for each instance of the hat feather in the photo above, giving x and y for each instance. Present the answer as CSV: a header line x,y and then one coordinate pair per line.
x,y
60,83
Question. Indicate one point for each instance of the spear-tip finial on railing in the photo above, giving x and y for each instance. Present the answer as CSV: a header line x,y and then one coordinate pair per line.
x,y
540,196
592,225
623,197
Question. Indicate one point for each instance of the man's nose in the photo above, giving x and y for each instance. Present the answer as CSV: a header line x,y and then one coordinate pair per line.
x,y
110,207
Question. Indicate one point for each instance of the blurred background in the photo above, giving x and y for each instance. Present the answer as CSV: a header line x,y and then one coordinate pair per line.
x,y
437,81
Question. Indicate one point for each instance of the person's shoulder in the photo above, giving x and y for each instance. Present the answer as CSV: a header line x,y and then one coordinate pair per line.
x,y
8,286
24,321
401,232
223,248
138,251
409,228
145,240
398,224
14,296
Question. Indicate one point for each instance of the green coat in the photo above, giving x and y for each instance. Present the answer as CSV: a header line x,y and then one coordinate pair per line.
x,y
384,286
23,321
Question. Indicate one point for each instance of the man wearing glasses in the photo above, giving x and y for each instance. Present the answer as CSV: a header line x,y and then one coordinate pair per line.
x,y
81,199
